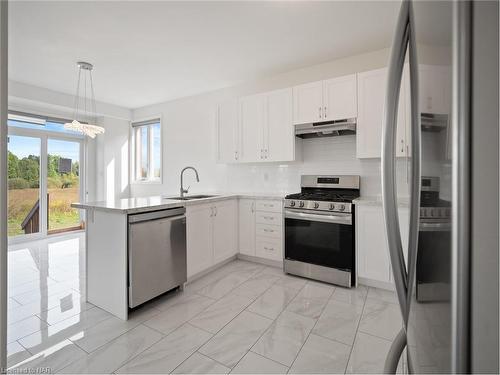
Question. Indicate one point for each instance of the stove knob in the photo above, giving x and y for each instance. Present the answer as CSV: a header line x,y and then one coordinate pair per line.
x,y
301,204
342,207
332,206
292,203
316,204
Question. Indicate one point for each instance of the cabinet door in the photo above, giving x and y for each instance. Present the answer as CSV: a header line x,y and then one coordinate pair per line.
x,y
246,225
279,131
340,98
371,101
371,244
225,230
433,93
308,103
252,122
227,132
199,238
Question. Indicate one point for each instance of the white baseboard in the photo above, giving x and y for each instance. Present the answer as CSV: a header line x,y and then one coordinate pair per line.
x,y
267,262
376,283
210,269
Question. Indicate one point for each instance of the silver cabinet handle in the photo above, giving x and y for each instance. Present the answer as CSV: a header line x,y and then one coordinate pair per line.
x,y
268,230
319,112
268,248
325,113
252,207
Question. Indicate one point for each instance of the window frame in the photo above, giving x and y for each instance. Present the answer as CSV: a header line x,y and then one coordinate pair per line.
x,y
135,150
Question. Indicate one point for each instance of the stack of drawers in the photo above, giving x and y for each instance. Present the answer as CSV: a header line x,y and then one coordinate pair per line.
x,y
269,229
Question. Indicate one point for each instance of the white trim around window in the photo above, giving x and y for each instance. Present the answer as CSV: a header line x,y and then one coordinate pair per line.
x,y
145,168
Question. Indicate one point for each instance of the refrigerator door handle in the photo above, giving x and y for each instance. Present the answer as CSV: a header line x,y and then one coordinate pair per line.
x,y
416,177
389,198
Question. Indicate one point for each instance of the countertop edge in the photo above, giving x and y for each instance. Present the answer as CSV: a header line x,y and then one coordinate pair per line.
x,y
99,206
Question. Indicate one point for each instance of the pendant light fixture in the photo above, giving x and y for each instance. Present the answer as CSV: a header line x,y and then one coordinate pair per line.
x,y
85,115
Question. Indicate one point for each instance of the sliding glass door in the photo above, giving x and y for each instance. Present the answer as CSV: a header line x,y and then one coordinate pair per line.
x,y
45,168
63,185
23,212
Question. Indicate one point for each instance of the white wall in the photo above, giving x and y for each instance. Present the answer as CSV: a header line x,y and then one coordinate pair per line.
x,y
189,139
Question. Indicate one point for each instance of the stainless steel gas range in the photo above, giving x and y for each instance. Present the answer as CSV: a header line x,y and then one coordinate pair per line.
x,y
319,229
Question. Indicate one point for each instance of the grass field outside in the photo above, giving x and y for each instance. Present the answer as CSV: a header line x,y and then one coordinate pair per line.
x,y
61,215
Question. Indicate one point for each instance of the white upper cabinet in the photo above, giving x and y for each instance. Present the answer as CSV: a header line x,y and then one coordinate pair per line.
x,y
371,101
308,103
266,127
340,98
433,94
333,99
228,147
252,118
279,133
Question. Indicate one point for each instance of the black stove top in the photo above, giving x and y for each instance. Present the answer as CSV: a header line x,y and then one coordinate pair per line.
x,y
322,195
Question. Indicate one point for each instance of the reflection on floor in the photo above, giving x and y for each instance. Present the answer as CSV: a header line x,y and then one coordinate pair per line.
x,y
241,318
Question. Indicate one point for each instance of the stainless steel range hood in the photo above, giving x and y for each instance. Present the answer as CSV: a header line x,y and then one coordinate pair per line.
x,y
326,129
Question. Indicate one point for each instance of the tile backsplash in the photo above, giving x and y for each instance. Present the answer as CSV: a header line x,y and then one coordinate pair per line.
x,y
329,155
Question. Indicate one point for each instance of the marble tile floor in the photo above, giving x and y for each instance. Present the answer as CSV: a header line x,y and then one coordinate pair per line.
x,y
241,318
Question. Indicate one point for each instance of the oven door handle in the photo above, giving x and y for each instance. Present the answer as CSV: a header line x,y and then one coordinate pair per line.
x,y
345,219
435,227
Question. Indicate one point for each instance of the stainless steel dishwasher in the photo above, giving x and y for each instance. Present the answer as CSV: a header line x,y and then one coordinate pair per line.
x,y
156,253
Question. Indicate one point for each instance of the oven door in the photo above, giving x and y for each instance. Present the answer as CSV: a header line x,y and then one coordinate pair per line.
x,y
321,239
433,262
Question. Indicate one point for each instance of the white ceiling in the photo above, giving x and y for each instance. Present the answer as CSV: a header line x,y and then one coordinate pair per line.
x,y
149,52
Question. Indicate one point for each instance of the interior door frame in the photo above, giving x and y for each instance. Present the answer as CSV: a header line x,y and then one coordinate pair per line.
x,y
44,136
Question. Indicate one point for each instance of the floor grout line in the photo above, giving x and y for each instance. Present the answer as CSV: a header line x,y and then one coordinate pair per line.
x,y
356,334
309,334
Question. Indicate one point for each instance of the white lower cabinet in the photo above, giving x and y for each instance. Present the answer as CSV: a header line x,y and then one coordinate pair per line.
x,y
371,242
211,234
261,228
246,226
199,233
225,230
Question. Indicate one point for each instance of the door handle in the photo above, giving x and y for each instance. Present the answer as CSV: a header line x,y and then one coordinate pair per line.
x,y
404,39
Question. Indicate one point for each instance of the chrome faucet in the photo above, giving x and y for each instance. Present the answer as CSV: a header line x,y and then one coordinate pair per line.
x,y
183,191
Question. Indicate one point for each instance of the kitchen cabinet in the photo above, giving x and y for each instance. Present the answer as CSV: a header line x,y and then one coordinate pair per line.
x,y
279,133
433,94
199,233
373,257
267,132
371,97
246,226
261,228
211,234
225,230
340,98
308,103
228,145
329,100
252,118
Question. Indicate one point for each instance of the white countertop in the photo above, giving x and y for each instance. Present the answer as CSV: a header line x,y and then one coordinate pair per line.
x,y
377,201
154,203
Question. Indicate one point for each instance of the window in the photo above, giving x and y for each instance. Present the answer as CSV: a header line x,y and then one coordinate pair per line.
x,y
147,150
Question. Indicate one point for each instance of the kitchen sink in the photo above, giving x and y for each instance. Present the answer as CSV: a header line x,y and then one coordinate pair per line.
x,y
188,198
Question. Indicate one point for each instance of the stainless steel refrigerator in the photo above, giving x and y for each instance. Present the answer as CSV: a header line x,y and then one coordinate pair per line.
x,y
448,286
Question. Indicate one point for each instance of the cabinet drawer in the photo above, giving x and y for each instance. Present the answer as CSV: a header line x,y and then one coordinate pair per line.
x,y
268,248
265,230
268,205
268,218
